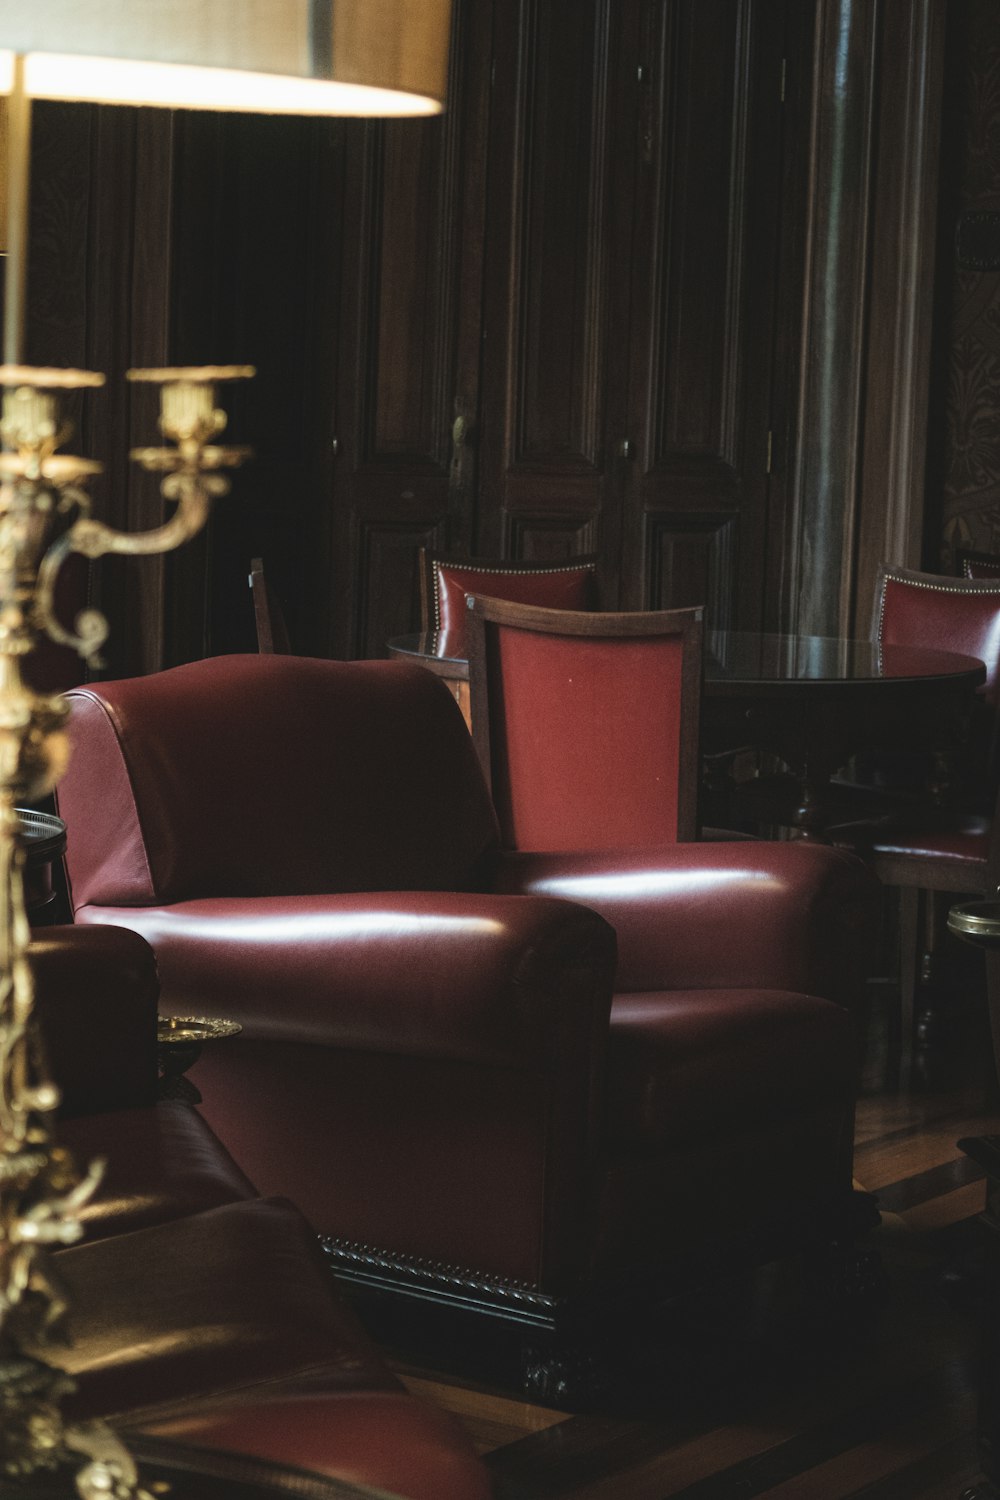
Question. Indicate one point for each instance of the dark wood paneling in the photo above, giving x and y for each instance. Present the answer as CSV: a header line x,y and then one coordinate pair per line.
x,y
539,537
386,553
555,288
571,315
409,350
964,479
692,561
707,203
558,244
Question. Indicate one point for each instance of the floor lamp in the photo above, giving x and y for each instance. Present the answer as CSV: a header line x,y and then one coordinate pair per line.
x,y
322,57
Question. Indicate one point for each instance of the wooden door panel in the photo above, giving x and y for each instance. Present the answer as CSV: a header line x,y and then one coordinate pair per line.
x,y
409,349
692,187
557,271
689,329
394,406
407,287
537,537
549,306
691,562
391,602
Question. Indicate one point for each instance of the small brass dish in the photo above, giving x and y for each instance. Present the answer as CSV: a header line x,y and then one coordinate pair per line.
x,y
186,1029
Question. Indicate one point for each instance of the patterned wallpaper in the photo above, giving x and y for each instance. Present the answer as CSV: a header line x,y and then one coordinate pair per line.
x,y
970,462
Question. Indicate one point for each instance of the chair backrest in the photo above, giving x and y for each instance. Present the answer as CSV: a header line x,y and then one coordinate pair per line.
x,y
446,582
269,618
267,776
587,724
979,564
949,614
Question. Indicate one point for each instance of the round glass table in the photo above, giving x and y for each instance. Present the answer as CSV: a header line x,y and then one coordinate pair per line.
x,y
812,701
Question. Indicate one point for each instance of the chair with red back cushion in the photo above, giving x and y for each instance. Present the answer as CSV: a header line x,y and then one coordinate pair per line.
x,y
920,846
950,614
586,725
979,565
445,583
439,1061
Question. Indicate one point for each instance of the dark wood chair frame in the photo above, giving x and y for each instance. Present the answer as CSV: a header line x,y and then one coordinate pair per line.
x,y
430,562
269,618
485,612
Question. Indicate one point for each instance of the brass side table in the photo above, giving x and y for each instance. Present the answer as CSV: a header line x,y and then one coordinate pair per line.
x,y
978,922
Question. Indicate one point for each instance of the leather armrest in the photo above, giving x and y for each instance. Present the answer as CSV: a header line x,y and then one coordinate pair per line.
x,y
795,916
96,995
503,980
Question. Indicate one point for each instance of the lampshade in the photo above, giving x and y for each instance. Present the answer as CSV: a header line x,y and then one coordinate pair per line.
x,y
324,57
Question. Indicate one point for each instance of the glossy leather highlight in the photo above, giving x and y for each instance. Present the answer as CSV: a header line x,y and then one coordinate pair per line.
x,y
221,1329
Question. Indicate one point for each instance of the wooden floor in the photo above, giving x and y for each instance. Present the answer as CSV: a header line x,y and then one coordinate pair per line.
x,y
792,1403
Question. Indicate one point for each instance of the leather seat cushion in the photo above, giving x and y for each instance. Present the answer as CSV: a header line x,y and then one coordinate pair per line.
x,y
161,1163
685,1064
961,838
236,1300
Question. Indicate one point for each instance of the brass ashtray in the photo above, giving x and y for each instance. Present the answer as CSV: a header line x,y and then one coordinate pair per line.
x,y
179,1040
175,1029
976,922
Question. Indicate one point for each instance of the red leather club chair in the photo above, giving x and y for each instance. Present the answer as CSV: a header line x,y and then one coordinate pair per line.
x,y
202,1317
440,1062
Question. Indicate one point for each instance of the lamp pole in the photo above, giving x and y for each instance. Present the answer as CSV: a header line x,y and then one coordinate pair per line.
x,y
18,177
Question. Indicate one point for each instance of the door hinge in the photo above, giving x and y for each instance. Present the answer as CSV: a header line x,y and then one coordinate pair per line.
x,y
770,452
781,84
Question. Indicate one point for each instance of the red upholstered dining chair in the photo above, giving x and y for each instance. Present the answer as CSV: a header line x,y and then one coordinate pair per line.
x,y
445,582
931,849
586,725
551,1088
979,564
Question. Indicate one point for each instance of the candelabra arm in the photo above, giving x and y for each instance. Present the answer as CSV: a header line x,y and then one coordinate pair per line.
x,y
45,516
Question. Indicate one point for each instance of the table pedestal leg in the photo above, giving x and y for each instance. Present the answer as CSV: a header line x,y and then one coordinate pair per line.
x,y
812,814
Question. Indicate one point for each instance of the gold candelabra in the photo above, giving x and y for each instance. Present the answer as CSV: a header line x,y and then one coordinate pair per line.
x,y
44,517
331,57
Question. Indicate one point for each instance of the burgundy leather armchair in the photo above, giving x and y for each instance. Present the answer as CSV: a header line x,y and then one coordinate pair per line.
x,y
441,1062
202,1314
